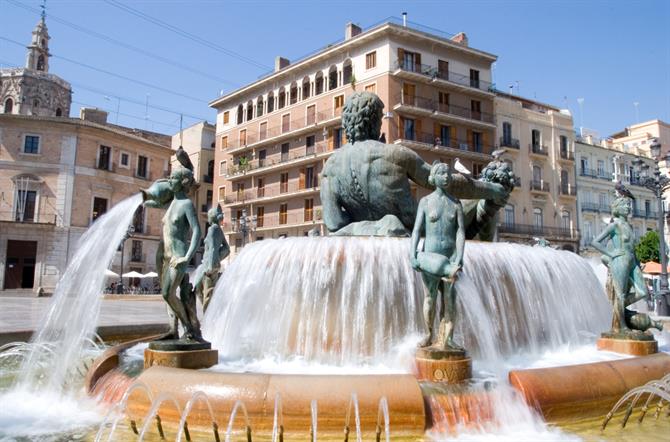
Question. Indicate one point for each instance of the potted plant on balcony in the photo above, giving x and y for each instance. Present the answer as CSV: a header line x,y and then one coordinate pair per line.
x,y
318,214
243,164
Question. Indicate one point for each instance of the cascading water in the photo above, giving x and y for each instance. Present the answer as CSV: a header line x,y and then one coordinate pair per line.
x,y
357,301
47,378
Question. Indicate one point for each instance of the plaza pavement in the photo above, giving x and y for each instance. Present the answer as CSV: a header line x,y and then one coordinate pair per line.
x,y
121,317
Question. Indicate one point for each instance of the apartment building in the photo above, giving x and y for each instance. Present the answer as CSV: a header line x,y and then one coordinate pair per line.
x,y
274,135
601,164
538,140
640,135
198,141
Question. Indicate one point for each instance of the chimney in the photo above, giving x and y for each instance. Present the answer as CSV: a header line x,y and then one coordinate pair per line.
x,y
93,114
460,38
404,19
351,30
281,63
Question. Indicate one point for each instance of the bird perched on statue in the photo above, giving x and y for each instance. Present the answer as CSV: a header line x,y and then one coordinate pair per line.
x,y
460,167
622,191
183,158
496,154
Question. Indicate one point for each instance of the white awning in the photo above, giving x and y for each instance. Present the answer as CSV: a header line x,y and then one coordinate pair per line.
x,y
133,274
110,274
151,275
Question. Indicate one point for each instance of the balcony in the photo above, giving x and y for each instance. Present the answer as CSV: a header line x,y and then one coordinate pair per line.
x,y
283,220
511,143
284,130
540,186
590,207
538,149
603,175
138,257
272,192
589,173
430,107
428,141
433,74
532,230
25,218
567,155
291,157
208,179
568,190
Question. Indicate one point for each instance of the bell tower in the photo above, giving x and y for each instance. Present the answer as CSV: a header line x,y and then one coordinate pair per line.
x,y
38,51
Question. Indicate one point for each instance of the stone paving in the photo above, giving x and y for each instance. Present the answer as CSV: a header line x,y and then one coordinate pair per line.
x,y
21,315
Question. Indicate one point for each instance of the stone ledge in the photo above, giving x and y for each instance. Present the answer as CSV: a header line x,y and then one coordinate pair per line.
x,y
628,346
192,359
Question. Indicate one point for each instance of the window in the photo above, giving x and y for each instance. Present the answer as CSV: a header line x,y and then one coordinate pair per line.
x,y
285,123
208,200
372,88
282,98
507,134
309,209
104,156
138,219
602,200
584,162
260,187
443,69
226,117
260,216
263,130
222,193
408,94
283,182
537,174
443,102
9,106
318,83
310,115
124,160
477,169
332,78
338,138
410,61
224,142
347,72
310,142
59,112
476,109
537,218
310,177
284,151
588,232
293,93
136,252
371,60
250,110
40,63
240,114
565,220
25,205
99,207
262,154
564,144
142,163
243,137
474,78
477,141
565,183
306,88
283,213
601,168
535,139
259,106
31,144
445,135
408,128
339,103
271,102
509,215
647,207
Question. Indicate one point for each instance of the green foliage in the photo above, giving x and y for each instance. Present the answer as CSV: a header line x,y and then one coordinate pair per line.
x,y
647,248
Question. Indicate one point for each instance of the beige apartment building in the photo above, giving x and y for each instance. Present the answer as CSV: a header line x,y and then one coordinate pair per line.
x,y
274,135
600,165
198,141
539,143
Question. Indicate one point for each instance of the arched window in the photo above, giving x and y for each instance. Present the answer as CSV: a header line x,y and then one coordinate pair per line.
x,y
40,63
271,102
9,106
240,114
318,83
306,92
293,93
250,110
332,77
347,72
282,98
565,220
259,106
44,43
538,220
59,112
36,103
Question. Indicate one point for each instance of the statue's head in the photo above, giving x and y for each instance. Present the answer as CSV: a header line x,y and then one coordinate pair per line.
x,y
215,215
621,207
440,175
181,178
362,117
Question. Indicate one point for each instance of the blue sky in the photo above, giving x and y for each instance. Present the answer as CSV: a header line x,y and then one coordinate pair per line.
x,y
611,53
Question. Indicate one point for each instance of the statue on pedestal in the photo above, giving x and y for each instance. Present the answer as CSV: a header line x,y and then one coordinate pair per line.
x,y
216,249
440,219
625,283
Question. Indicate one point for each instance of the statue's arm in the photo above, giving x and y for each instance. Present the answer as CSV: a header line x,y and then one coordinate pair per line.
x,y
195,231
463,187
599,242
152,204
417,169
418,228
460,236
224,248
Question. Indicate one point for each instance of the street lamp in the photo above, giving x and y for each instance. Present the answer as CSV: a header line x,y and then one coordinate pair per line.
x,y
658,184
246,225
128,234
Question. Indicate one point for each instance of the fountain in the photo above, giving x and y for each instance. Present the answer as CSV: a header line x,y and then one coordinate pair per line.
x,y
316,337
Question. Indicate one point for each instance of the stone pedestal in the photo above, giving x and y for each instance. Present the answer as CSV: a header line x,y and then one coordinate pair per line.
x,y
180,354
628,346
439,365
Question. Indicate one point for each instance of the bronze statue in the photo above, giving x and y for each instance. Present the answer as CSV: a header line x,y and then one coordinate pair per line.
x,y
216,249
440,219
625,283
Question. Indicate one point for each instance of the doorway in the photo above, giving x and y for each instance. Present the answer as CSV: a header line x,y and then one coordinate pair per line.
x,y
20,266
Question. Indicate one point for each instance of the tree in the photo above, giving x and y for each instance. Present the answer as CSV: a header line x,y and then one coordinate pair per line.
x,y
648,247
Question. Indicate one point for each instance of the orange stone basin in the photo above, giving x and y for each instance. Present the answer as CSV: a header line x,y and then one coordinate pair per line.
x,y
569,393
258,392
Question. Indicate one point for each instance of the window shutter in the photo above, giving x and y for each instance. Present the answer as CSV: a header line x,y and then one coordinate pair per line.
x,y
417,61
401,56
454,137
470,146
330,139
436,130
417,135
401,128
485,142
301,180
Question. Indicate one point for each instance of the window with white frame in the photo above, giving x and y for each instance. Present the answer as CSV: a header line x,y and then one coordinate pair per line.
x,y
26,202
124,160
